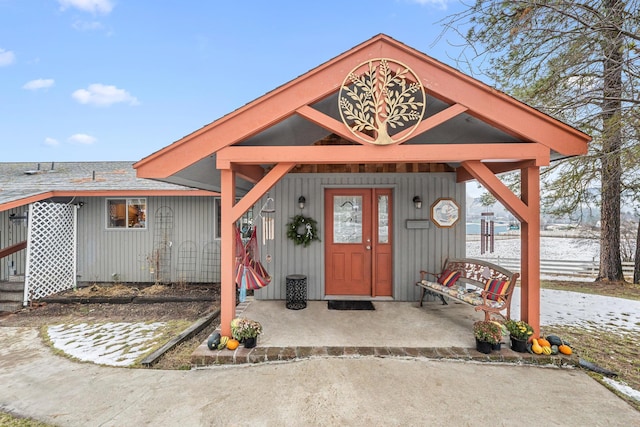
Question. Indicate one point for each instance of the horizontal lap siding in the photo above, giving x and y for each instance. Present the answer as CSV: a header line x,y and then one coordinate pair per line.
x,y
103,253
412,249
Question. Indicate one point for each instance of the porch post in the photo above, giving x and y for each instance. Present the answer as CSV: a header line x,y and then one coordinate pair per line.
x,y
530,249
228,250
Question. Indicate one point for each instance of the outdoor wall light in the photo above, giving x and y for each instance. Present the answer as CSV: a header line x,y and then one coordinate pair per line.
x,y
19,219
417,202
301,202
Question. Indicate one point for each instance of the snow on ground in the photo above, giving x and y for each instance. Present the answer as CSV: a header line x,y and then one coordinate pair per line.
x,y
555,248
585,310
623,388
114,344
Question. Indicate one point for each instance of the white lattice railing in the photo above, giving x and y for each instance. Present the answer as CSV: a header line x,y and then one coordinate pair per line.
x,y
51,250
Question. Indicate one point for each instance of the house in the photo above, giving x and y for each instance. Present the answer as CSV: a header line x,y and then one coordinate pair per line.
x,y
363,138
64,223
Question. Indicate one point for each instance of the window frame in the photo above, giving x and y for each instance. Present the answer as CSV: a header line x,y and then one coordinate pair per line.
x,y
128,201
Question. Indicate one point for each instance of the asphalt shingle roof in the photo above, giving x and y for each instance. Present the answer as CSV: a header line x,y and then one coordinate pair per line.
x,y
27,179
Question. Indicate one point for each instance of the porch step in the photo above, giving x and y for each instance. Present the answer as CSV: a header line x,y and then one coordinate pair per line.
x,y
11,295
10,306
11,287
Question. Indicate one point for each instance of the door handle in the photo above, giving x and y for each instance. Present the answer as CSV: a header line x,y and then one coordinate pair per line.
x,y
368,247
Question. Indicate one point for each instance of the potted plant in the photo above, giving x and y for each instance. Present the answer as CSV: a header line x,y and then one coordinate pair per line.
x,y
520,332
487,334
246,331
504,334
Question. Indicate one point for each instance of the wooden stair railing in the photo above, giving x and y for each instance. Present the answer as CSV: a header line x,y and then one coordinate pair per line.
x,y
12,249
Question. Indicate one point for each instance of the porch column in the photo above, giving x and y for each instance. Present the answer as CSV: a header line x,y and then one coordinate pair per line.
x,y
530,248
228,250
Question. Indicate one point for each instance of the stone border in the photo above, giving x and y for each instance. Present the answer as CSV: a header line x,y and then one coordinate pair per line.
x,y
202,356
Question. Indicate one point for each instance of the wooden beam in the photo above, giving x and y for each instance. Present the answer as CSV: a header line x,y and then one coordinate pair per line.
x,y
500,191
402,153
227,251
435,120
495,167
260,189
12,249
530,249
329,123
251,173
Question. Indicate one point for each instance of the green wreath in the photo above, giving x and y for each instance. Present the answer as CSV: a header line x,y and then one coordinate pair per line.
x,y
302,230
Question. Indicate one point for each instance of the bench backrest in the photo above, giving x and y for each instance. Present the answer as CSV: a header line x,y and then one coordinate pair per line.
x,y
477,272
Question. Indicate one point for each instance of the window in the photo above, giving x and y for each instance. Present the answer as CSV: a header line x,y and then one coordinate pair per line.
x,y
245,222
127,213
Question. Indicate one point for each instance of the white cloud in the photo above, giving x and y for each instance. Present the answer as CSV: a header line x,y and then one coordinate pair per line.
x,y
38,84
51,142
87,25
82,138
93,6
440,4
7,57
103,95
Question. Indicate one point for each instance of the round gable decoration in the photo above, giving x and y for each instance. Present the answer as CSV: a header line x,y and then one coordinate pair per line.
x,y
382,101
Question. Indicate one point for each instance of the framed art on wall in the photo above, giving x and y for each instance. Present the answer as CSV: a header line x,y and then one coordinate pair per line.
x,y
445,212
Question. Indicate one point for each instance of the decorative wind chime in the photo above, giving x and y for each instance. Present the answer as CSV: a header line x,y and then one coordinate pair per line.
x,y
267,214
487,232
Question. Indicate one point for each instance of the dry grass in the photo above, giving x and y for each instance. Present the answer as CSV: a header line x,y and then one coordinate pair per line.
x,y
613,349
8,420
180,356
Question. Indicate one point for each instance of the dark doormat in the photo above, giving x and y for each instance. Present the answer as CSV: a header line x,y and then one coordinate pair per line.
x,y
350,305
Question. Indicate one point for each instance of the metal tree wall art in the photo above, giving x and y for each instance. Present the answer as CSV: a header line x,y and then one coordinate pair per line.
x,y
381,105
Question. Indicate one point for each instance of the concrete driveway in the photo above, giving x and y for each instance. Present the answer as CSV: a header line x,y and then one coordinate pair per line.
x,y
365,391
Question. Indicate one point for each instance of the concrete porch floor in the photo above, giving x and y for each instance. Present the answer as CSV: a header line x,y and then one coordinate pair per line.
x,y
392,329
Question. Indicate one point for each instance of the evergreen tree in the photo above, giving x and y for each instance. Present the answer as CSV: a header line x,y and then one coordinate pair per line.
x,y
579,62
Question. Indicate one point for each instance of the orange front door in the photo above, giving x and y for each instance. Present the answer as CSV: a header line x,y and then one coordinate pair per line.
x,y
358,259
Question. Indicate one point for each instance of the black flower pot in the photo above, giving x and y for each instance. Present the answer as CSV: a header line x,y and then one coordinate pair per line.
x,y
483,346
250,342
496,346
518,345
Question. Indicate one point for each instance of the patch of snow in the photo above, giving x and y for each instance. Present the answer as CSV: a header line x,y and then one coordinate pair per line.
x,y
114,344
585,310
623,388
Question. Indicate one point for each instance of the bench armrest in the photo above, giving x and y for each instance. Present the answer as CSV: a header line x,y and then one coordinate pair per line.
x,y
424,273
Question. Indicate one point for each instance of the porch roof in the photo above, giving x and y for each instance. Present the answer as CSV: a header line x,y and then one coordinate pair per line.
x,y
464,120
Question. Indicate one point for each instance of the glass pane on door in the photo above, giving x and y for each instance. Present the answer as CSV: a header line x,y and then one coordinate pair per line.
x,y
347,219
383,219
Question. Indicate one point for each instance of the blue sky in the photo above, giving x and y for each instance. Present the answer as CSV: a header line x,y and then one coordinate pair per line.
x,y
85,80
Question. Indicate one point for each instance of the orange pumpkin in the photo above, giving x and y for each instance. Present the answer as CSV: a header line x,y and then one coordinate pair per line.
x,y
565,349
232,344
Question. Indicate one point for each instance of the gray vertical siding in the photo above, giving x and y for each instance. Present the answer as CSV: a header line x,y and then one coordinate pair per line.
x,y
10,234
104,253
413,249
